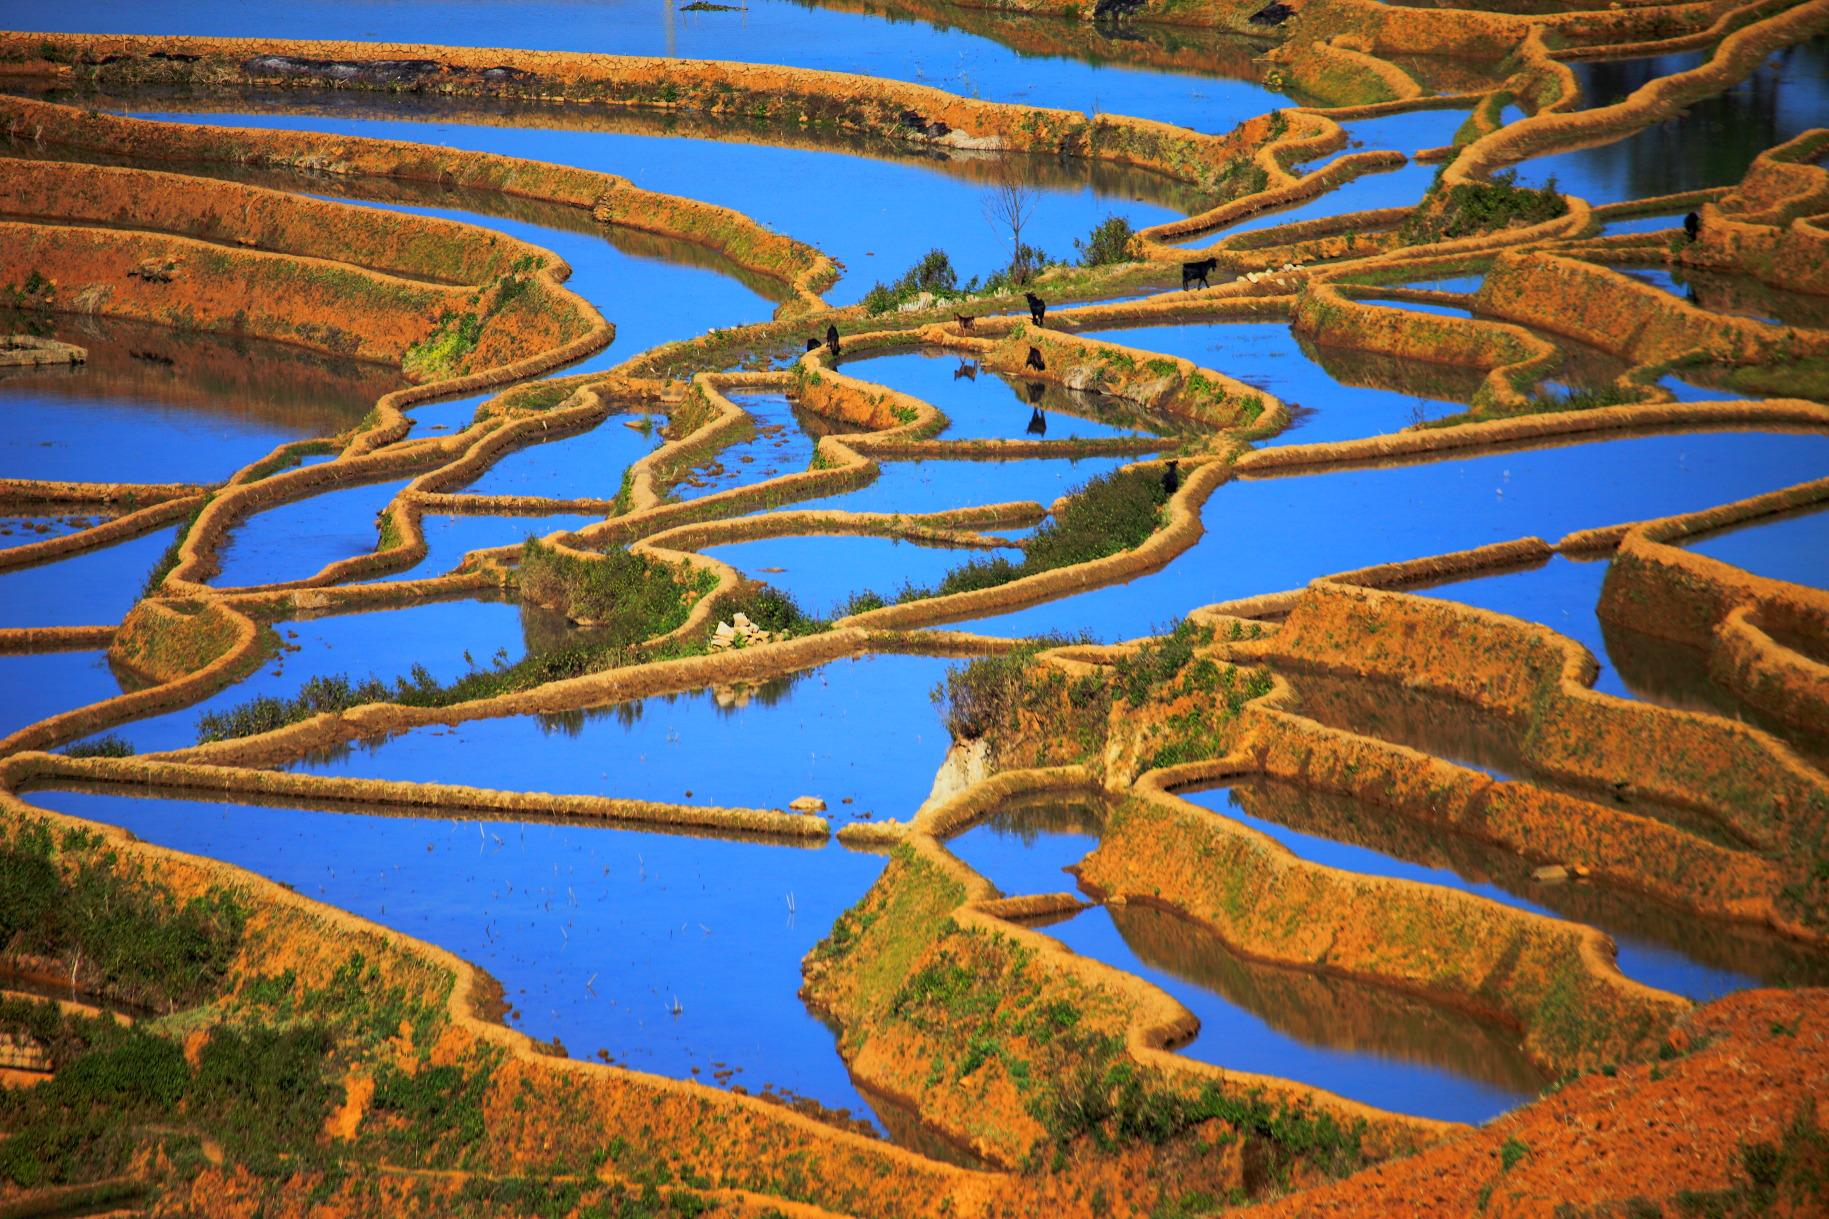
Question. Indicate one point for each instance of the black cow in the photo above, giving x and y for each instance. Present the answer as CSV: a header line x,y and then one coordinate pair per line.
x,y
812,344
1038,422
832,339
1197,271
965,320
1171,478
1035,360
1038,308
1692,225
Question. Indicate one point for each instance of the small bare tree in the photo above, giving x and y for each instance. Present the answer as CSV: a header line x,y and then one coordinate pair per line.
x,y
1008,205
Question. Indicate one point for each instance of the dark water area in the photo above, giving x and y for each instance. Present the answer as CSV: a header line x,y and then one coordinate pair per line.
x,y
90,588
1301,526
1359,1041
1028,60
35,685
1710,144
594,933
1605,82
860,730
877,217
153,405
296,540
1735,296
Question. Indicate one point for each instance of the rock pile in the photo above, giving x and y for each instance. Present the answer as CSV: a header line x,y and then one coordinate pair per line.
x,y
739,632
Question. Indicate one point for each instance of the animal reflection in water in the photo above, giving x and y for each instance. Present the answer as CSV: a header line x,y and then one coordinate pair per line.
x,y
1038,418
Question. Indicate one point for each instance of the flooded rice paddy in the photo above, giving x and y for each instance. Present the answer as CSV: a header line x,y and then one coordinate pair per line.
x,y
680,953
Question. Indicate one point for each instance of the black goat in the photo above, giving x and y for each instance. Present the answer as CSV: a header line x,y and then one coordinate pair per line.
x,y
1038,308
1035,360
832,339
1197,271
1692,225
1171,478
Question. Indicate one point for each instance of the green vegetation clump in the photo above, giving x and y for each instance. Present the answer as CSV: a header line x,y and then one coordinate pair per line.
x,y
933,274
456,334
1480,207
124,935
631,598
1111,513
108,745
1109,242
637,598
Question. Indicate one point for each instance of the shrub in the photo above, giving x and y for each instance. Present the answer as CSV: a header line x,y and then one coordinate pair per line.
x,y
629,597
1480,207
1109,242
933,273
1111,513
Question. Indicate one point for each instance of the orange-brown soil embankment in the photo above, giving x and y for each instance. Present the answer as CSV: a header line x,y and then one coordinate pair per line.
x,y
1555,982
264,295
1748,781
1768,226
802,269
1664,1137
29,351
1767,640
1633,320
1514,358
403,245
928,916
1391,30
1535,431
26,771
1626,850
915,114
